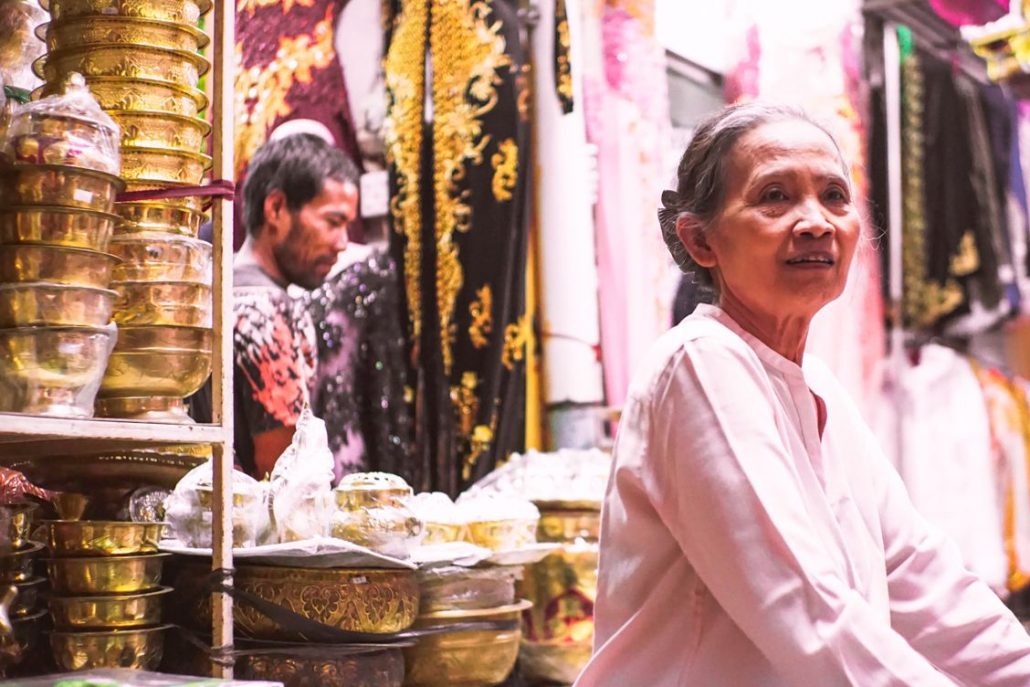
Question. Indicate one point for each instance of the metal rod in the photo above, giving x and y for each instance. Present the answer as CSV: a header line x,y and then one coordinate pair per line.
x,y
222,354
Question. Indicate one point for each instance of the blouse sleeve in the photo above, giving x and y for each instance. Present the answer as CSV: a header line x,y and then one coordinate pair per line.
x,y
944,611
728,491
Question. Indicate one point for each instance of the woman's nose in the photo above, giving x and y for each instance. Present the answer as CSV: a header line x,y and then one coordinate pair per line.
x,y
812,221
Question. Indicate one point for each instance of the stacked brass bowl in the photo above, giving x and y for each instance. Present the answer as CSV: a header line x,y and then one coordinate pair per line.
x,y
107,598
17,558
142,63
55,226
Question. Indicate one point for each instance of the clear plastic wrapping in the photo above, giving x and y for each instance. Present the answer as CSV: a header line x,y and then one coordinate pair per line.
x,y
65,129
301,484
19,45
461,588
499,522
372,511
188,509
442,518
567,476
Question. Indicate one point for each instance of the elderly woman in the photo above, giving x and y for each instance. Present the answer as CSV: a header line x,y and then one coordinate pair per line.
x,y
753,533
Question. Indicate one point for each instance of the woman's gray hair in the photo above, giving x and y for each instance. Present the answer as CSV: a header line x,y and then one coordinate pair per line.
x,y
701,175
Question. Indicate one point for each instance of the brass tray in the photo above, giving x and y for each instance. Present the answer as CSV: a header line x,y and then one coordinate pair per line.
x,y
160,467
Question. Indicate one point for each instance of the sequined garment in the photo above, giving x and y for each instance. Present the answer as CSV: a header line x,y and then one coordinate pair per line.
x,y
458,211
359,388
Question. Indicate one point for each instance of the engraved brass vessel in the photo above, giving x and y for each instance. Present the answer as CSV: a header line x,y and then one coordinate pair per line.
x,y
161,130
127,61
139,95
109,612
42,304
57,227
100,575
15,525
107,30
102,537
177,303
299,665
182,11
56,265
194,203
157,257
161,166
157,216
158,361
139,649
58,186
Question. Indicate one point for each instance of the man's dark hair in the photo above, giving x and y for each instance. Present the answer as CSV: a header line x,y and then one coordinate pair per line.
x,y
297,165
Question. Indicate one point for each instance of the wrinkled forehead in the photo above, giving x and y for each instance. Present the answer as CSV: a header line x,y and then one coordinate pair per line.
x,y
785,144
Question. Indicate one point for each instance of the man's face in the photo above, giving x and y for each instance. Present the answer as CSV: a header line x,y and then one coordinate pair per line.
x,y
317,234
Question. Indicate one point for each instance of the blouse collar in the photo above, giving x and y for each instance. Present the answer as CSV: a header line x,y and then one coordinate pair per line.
x,y
766,354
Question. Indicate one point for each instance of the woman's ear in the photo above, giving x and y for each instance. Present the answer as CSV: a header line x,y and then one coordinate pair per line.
x,y
691,233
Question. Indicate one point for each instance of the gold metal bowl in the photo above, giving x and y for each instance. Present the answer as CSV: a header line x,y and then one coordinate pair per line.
x,y
477,658
26,601
192,203
159,217
56,265
114,30
158,257
31,304
568,525
325,665
182,11
138,95
127,61
161,166
57,227
177,303
51,370
111,612
16,566
59,186
366,600
502,535
158,361
16,525
139,649
146,408
102,537
161,130
97,575
553,662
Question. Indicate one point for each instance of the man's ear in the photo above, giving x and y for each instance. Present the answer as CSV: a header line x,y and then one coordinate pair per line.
x,y
277,215
691,233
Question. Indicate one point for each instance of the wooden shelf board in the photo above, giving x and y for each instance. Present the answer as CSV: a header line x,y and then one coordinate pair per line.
x,y
36,435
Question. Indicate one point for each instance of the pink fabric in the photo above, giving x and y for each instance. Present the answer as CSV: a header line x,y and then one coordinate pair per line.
x,y
740,548
965,12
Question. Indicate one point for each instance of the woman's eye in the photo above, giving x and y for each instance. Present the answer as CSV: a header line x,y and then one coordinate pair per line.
x,y
836,195
774,195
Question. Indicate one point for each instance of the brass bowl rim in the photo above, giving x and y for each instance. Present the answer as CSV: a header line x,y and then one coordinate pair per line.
x,y
146,283
86,634
67,169
62,209
106,559
198,96
451,614
54,286
202,38
34,548
127,596
112,258
31,617
157,114
152,236
202,64
201,157
31,582
203,5
36,328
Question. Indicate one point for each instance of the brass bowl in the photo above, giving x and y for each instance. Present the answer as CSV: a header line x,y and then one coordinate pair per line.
x,y
146,408
161,166
96,575
57,227
502,535
157,217
156,257
15,525
444,533
326,666
51,370
177,303
158,361
142,95
108,30
553,662
182,11
127,61
16,566
366,600
30,304
112,612
26,601
102,537
56,265
568,525
475,658
193,203
161,130
139,649
59,186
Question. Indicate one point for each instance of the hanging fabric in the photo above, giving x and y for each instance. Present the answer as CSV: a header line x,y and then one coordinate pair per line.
x,y
457,134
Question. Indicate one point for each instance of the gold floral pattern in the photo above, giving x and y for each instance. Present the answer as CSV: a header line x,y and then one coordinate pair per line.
x,y
479,443
516,335
251,6
562,64
481,311
402,135
261,92
468,51
466,402
967,259
506,169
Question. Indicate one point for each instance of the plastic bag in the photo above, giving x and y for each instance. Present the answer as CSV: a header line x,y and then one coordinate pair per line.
x,y
301,485
499,522
19,45
442,518
65,129
461,588
372,511
188,509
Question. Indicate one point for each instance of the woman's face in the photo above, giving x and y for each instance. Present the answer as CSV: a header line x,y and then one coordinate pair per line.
x,y
783,242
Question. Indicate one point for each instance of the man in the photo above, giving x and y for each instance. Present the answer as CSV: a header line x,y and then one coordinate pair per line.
x,y
299,198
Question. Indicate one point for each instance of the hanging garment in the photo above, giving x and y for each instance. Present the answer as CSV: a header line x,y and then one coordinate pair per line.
x,y
287,68
359,387
457,139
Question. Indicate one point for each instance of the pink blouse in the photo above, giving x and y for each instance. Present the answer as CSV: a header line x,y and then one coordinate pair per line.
x,y
739,548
